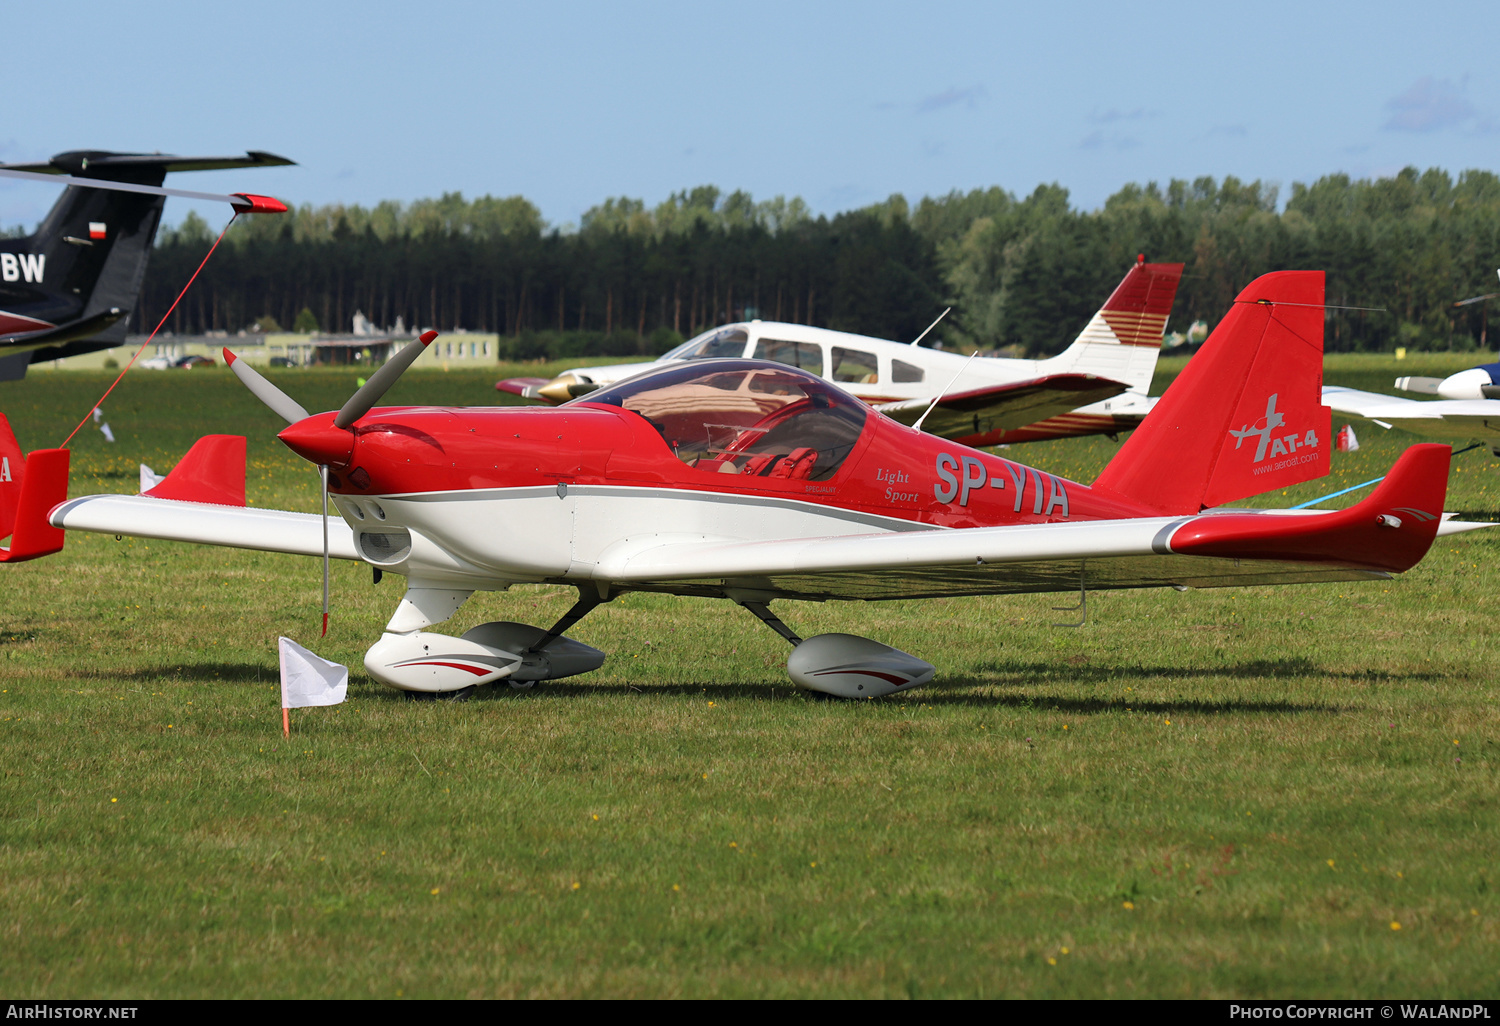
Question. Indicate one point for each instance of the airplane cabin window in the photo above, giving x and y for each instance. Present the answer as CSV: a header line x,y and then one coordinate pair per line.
x,y
761,419
712,345
806,355
854,366
905,372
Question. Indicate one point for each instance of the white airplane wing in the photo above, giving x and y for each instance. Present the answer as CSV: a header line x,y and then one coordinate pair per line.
x,y
1004,407
934,564
1387,533
240,527
1449,419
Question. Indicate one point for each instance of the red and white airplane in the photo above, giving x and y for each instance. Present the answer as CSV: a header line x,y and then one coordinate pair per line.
x,y
1097,386
753,481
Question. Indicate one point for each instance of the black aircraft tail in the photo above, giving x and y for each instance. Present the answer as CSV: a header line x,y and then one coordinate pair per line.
x,y
71,287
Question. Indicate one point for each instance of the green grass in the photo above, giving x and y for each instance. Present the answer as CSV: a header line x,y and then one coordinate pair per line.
x,y
1231,793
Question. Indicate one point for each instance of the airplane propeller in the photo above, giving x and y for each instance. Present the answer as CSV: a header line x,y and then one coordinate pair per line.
x,y
281,404
355,407
361,402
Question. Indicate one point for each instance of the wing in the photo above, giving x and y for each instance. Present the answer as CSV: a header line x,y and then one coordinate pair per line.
x,y
523,387
266,530
1005,407
938,564
1387,533
1453,419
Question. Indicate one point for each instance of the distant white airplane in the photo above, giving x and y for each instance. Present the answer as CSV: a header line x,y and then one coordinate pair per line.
x,y
1097,385
1470,408
1467,407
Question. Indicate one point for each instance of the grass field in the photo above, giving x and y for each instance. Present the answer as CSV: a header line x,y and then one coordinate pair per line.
x,y
1257,792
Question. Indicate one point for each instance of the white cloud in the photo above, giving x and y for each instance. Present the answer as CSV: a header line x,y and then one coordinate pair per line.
x,y
1430,105
968,97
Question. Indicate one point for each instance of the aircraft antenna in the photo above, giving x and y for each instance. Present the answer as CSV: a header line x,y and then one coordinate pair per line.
x,y
934,324
939,397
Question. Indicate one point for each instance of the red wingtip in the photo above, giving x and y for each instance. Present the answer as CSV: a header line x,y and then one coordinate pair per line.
x,y
427,337
1375,533
228,356
254,204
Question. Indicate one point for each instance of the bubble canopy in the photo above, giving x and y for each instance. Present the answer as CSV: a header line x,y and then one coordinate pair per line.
x,y
744,417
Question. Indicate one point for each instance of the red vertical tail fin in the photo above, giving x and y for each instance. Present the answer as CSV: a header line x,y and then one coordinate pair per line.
x,y
1246,415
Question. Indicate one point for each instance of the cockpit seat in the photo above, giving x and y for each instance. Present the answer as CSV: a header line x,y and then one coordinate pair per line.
x,y
761,463
796,465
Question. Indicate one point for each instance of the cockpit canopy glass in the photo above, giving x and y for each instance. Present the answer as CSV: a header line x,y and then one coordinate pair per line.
x,y
745,417
712,345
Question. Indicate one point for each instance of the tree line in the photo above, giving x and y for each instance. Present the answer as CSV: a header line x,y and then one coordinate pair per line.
x,y
1022,274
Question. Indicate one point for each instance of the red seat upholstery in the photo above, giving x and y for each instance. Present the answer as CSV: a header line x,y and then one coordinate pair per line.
x,y
797,464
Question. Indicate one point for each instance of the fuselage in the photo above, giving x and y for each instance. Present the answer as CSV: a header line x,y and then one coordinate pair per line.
x,y
529,493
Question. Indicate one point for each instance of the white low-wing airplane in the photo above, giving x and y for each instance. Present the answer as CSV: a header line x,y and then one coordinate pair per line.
x,y
1097,385
753,481
1468,406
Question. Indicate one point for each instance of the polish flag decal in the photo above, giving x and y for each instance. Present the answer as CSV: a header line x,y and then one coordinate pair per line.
x,y
96,229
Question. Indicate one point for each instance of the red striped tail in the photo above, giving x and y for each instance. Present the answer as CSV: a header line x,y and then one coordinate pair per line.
x,y
1122,340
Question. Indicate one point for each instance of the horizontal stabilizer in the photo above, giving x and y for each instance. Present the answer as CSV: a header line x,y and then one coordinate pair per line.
x,y
1004,407
104,164
87,327
213,471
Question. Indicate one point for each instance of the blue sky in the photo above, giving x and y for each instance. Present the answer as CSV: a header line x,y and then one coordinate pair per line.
x,y
567,103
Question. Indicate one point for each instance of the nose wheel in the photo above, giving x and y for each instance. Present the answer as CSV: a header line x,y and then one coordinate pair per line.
x,y
422,662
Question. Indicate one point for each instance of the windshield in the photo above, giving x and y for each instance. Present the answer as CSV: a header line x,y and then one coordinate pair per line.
x,y
712,345
745,417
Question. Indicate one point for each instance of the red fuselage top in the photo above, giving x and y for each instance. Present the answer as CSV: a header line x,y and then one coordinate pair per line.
x,y
725,426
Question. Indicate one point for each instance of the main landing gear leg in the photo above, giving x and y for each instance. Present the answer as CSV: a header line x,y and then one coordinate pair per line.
x,y
771,620
585,605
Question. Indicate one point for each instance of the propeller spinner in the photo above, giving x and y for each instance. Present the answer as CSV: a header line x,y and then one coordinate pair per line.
x,y
317,439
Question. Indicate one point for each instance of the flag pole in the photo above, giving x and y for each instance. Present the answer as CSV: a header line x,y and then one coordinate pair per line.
x,y
286,721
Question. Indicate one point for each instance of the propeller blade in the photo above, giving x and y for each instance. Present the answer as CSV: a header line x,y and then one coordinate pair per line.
x,y
281,404
323,473
380,382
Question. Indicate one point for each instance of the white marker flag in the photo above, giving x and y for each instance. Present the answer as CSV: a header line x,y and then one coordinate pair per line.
x,y
150,478
307,680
